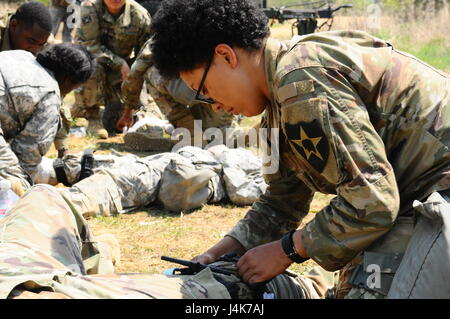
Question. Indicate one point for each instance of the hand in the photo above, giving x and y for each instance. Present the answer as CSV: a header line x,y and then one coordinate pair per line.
x,y
226,245
16,186
124,70
262,263
204,258
126,120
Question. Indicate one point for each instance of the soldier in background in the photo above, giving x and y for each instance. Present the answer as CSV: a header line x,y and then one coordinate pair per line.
x,y
31,91
113,31
29,26
357,118
173,98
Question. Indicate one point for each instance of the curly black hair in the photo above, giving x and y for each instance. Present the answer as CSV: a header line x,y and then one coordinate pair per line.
x,y
34,12
185,33
67,60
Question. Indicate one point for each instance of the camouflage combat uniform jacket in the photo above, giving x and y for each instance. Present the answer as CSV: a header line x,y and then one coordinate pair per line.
x,y
132,86
358,119
171,95
113,41
29,114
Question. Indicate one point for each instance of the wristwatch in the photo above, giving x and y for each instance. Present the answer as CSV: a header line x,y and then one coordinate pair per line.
x,y
288,247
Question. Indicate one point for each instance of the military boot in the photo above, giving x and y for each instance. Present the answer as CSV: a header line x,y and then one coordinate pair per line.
x,y
111,115
152,136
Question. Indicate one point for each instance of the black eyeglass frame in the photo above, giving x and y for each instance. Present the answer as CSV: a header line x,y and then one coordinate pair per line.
x,y
198,96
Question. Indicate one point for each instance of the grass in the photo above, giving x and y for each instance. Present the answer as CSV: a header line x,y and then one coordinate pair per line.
x,y
424,34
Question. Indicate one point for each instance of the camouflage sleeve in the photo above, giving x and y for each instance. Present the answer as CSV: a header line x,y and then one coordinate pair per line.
x,y
328,127
62,135
167,101
145,34
38,134
89,35
132,86
9,164
280,209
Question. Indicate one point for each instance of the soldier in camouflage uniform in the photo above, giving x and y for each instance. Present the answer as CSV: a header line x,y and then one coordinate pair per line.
x,y
30,106
51,253
181,180
357,118
34,13
113,33
173,98
28,28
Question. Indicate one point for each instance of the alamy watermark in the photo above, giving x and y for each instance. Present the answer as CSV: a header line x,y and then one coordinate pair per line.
x,y
374,279
269,152
374,15
74,18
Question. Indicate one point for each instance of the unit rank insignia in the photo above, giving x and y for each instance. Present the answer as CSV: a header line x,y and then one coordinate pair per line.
x,y
308,140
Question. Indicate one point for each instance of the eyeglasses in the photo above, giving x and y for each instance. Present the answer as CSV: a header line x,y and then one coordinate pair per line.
x,y
202,98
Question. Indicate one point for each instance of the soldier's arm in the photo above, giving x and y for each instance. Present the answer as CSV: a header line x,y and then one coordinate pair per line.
x,y
144,35
280,209
39,132
89,35
132,86
10,166
351,156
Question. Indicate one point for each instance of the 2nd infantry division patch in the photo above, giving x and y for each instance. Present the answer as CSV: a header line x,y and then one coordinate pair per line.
x,y
309,140
86,19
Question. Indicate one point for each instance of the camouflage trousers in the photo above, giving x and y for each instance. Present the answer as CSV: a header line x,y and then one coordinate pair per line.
x,y
47,251
131,182
102,88
181,180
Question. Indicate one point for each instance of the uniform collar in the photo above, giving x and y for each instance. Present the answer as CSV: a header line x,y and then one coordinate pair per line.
x,y
271,52
125,17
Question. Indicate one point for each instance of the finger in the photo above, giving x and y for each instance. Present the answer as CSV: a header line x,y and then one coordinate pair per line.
x,y
201,259
245,271
248,275
254,279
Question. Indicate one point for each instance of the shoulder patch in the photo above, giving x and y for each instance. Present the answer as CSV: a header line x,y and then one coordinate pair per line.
x,y
293,89
86,19
309,140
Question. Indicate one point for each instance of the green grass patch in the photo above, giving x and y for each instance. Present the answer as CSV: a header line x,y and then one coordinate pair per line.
x,y
434,52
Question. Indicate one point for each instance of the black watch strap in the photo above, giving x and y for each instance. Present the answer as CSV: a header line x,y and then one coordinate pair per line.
x,y
288,247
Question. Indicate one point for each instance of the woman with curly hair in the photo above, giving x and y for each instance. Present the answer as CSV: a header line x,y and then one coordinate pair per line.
x,y
31,91
357,118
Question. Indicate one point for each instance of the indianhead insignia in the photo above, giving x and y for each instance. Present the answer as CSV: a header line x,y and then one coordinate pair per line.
x,y
310,142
